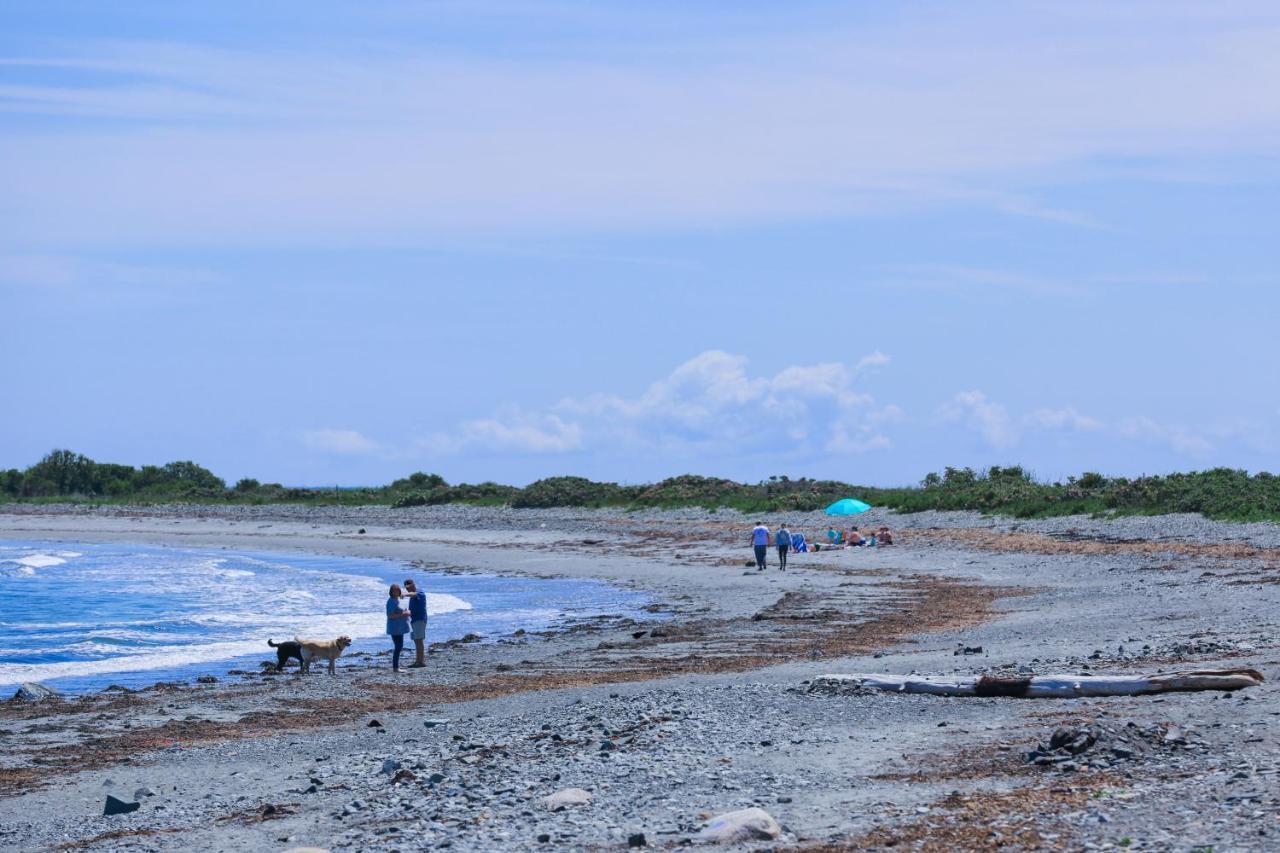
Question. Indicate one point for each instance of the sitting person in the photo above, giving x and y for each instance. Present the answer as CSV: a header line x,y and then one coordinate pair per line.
x,y
885,537
855,539
835,537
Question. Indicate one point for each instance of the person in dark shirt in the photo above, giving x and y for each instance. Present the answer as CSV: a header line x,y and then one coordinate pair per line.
x,y
417,622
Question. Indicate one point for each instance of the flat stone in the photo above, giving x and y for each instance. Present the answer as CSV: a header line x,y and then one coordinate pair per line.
x,y
567,797
753,824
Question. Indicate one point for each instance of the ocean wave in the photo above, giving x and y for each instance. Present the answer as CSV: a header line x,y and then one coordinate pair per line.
x,y
439,603
26,565
354,625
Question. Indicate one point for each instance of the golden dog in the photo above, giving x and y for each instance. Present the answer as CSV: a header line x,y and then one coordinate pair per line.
x,y
329,650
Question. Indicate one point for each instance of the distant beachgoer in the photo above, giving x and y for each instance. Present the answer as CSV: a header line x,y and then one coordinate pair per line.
x,y
397,625
760,541
782,539
835,536
417,622
855,538
886,538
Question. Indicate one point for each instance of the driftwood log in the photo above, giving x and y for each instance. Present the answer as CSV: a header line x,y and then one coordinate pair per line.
x,y
1044,686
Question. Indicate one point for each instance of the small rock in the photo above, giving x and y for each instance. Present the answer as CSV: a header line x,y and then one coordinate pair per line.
x,y
565,798
607,746
374,724
403,775
431,724
753,824
390,766
637,839
472,638
206,679
360,531
142,793
436,778
543,838
116,806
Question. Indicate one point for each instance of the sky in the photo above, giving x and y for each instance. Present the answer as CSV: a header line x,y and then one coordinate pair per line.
x,y
332,243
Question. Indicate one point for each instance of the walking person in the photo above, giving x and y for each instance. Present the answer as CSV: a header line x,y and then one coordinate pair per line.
x,y
760,541
417,622
783,540
397,625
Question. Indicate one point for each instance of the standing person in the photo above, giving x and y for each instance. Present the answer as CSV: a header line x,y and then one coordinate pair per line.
x,y
783,540
417,622
397,625
760,540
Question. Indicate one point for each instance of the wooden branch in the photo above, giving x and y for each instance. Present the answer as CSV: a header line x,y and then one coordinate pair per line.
x,y
1044,686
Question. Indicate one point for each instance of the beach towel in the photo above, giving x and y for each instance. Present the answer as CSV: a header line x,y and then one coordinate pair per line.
x,y
798,544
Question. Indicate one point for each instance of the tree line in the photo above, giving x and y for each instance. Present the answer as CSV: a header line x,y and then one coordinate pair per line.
x,y
1223,493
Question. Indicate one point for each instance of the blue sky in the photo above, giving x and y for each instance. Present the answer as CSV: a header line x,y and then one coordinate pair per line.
x,y
336,243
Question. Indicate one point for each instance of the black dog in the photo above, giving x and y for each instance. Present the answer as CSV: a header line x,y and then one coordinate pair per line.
x,y
284,651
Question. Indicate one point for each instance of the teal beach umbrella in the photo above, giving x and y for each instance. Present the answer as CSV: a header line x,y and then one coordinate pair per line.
x,y
848,506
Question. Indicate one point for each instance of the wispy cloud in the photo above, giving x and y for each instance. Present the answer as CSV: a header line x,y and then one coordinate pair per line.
x,y
56,271
388,145
1001,431
343,442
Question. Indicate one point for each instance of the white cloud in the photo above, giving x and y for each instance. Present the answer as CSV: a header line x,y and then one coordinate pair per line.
x,y
1178,438
989,419
54,271
345,442
710,403
976,105
512,430
1063,419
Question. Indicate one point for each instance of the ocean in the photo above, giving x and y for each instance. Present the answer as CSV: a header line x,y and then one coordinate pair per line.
x,y
82,616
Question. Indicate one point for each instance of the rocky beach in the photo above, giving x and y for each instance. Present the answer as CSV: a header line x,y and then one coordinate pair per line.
x,y
623,733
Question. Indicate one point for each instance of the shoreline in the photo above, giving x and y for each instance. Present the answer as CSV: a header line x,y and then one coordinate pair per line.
x,y
732,634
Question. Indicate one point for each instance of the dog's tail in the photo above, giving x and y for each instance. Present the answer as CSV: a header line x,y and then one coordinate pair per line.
x,y
272,643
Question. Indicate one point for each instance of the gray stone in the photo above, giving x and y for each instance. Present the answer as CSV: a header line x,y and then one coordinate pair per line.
x,y
753,824
116,806
565,798
34,691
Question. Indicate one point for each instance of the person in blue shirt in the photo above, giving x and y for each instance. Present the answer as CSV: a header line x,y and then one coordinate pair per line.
x,y
760,541
417,622
397,625
783,540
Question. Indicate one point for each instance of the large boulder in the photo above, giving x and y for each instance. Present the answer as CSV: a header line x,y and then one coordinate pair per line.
x,y
743,825
34,691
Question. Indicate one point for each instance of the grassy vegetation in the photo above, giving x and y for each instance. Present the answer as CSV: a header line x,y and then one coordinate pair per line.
x,y
1221,493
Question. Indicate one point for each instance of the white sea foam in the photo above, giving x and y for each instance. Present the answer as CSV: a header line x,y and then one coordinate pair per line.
x,y
355,625
39,561
439,603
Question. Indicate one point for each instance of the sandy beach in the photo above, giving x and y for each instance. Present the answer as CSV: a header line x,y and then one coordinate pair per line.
x,y
707,710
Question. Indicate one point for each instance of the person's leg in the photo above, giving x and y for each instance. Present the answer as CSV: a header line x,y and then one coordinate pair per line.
x,y
761,550
782,557
397,641
419,643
